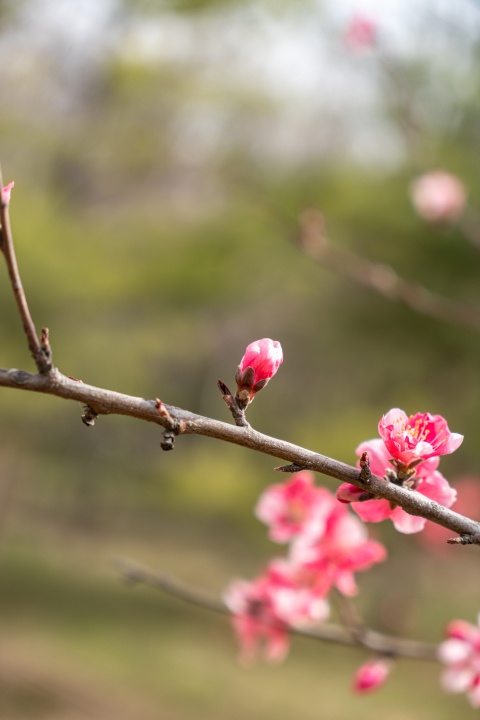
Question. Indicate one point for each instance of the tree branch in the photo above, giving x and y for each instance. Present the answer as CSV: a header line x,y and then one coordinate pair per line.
x,y
41,357
381,278
329,632
107,402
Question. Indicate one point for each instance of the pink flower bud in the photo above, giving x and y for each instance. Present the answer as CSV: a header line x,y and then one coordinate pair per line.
x,y
264,356
260,363
371,676
361,33
438,197
6,192
348,493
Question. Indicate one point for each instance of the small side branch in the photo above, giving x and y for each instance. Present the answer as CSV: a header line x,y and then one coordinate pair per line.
x,y
380,278
40,354
238,413
329,632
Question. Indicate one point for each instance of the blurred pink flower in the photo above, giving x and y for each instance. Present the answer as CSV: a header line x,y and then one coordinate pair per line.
x,y
361,32
371,676
438,196
419,436
295,506
461,653
255,620
431,483
265,357
293,594
6,192
343,550
434,537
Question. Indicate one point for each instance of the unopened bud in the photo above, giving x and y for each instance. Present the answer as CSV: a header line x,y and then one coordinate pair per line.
x,y
371,675
260,363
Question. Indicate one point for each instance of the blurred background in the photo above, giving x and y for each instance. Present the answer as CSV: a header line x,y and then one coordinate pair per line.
x,y
162,153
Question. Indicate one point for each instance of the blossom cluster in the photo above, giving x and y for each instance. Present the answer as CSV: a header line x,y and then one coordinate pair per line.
x,y
407,453
327,545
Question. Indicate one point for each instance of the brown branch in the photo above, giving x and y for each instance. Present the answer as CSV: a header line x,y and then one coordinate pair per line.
x,y
41,357
329,632
107,402
380,278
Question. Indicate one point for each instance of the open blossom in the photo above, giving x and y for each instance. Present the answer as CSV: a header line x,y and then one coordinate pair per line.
x,y
7,191
461,653
361,33
371,676
417,437
428,482
293,594
343,550
439,196
295,506
255,620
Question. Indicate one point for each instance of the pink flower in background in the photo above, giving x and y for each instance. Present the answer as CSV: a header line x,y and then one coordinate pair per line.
x,y
434,537
371,676
438,196
431,483
255,620
264,356
295,506
343,550
461,653
419,436
361,33
293,594
7,191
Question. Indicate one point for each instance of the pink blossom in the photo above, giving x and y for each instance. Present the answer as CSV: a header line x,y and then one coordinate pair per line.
x,y
264,356
419,436
371,676
439,196
361,33
343,550
255,620
295,506
461,653
434,537
293,594
6,192
429,482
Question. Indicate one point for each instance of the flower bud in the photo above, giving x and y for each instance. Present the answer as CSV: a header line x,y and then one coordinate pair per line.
x,y
6,192
260,363
371,675
361,33
439,197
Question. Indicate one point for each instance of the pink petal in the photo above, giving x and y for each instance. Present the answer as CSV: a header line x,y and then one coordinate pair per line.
x,y
347,493
6,192
405,523
436,487
373,510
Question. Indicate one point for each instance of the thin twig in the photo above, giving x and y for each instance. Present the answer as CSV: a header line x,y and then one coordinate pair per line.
x,y
329,632
41,358
381,278
108,402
